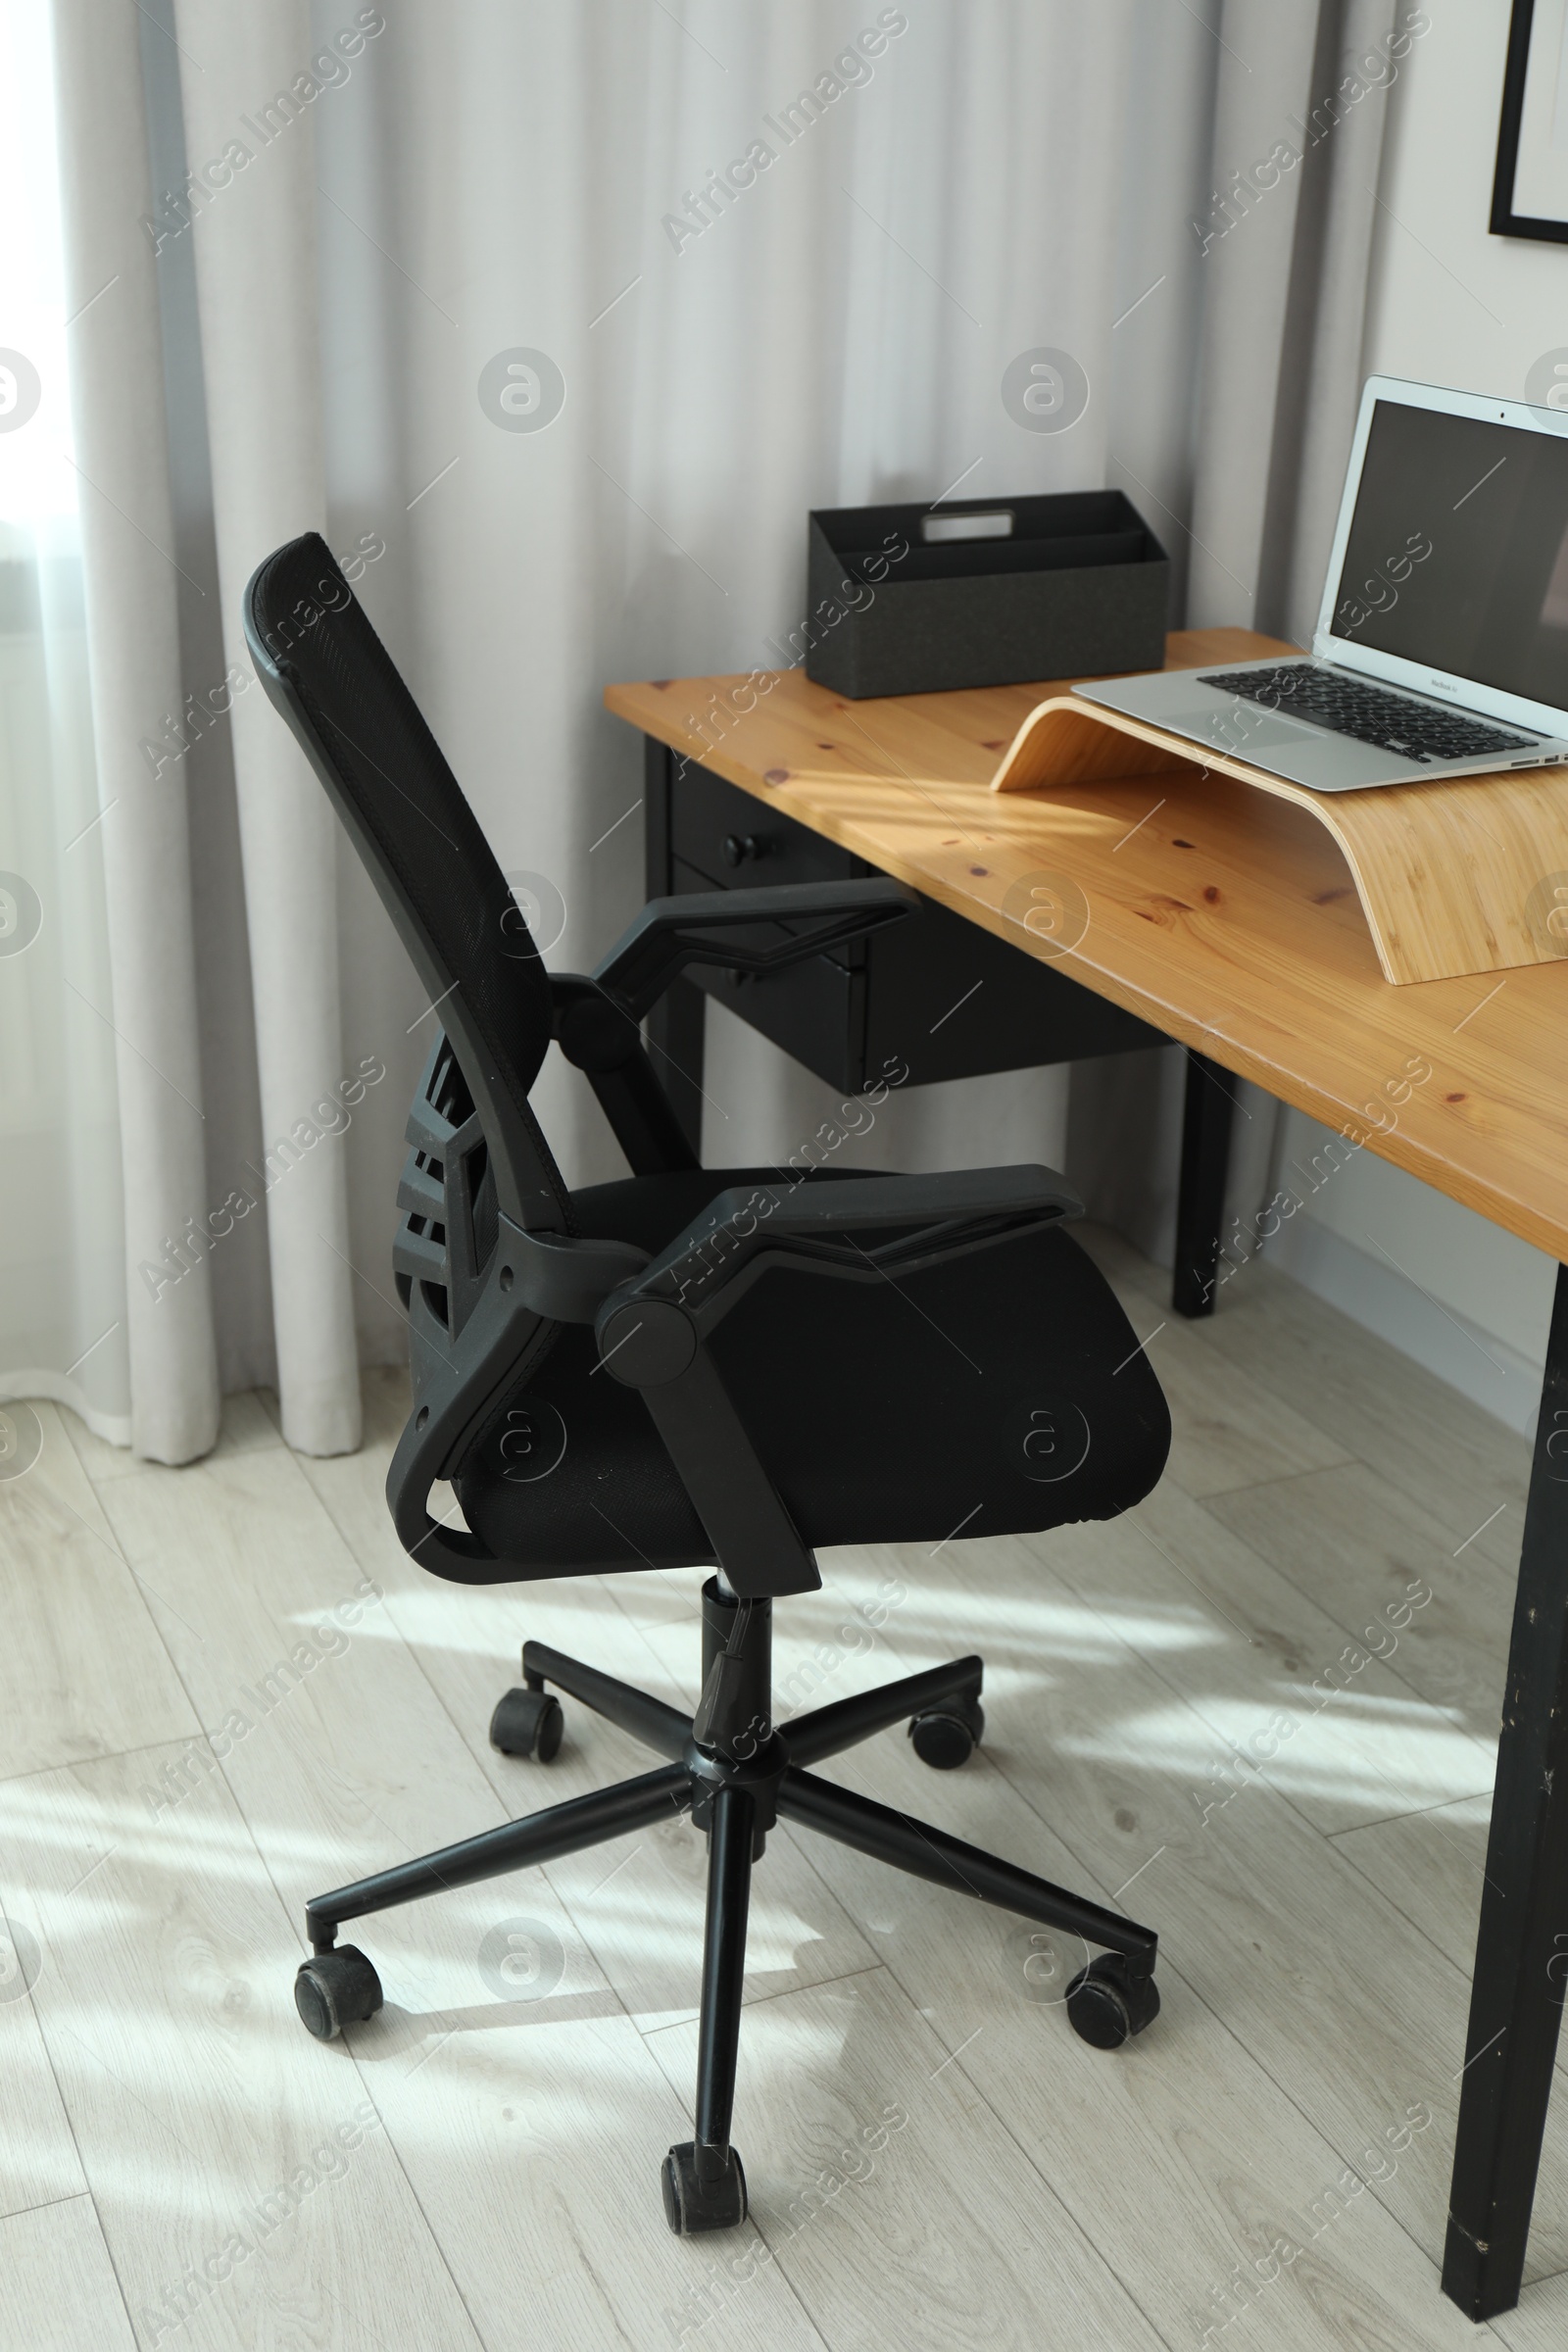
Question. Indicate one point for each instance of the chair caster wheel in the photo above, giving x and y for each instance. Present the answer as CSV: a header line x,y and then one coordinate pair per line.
x,y
947,1736
1106,2004
335,1990
527,1723
693,2202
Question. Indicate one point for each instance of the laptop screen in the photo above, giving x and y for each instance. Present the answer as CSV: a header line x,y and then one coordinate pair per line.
x,y
1457,553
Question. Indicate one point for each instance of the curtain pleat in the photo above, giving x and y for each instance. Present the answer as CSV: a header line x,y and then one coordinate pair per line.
x,y
256,275
130,582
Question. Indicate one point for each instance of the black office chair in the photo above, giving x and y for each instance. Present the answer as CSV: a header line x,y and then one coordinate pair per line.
x,y
715,1367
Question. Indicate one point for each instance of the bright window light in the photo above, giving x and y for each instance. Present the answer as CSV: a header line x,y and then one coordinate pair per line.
x,y
37,482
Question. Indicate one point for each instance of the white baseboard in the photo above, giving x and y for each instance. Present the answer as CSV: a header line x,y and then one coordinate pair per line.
x,y
1487,1370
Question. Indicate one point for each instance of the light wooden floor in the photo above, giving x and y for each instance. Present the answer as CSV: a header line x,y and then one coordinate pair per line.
x,y
935,2159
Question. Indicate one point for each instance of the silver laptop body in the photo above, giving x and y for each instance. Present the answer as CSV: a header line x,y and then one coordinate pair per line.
x,y
1441,642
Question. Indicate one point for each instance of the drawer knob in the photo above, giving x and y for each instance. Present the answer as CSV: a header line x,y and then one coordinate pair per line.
x,y
739,847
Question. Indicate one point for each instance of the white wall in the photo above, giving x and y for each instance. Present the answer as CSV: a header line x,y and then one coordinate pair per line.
x,y
1457,1293
1450,305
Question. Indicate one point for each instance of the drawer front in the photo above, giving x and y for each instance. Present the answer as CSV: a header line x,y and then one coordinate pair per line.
x,y
955,1002
738,842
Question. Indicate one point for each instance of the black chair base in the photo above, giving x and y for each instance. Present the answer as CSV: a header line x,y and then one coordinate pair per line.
x,y
738,1775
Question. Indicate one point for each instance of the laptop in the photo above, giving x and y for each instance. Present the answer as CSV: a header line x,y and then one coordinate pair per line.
x,y
1441,642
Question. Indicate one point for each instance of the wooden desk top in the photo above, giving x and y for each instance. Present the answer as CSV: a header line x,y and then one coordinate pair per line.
x,y
1224,916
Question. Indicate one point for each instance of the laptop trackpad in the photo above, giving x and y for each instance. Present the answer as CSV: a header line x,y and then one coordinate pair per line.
x,y
1237,737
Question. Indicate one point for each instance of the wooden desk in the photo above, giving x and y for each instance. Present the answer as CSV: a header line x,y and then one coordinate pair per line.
x,y
1222,916
1228,919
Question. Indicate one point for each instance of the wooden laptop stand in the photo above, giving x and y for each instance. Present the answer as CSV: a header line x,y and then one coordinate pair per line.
x,y
1470,875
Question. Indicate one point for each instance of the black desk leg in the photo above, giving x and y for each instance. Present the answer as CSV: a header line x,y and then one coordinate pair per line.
x,y
674,1027
1522,1948
1200,1202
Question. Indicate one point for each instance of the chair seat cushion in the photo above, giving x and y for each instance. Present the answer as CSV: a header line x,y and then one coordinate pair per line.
x,y
1001,1393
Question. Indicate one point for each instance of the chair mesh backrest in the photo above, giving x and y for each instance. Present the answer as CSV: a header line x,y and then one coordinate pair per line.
x,y
328,672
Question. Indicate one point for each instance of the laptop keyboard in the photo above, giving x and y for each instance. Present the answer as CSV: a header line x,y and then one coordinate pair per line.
x,y
1391,722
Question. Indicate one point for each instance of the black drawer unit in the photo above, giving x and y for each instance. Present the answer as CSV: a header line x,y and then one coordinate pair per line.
x,y
934,991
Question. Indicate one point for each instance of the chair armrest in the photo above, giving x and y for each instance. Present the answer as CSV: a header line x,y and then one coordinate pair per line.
x,y
596,1018
671,933
924,1219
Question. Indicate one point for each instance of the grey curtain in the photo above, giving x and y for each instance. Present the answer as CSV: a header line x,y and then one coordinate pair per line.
x,y
286,319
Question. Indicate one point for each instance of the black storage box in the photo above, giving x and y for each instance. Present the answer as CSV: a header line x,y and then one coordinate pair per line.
x,y
985,592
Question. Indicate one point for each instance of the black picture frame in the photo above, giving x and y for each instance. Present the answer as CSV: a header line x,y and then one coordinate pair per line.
x,y
1505,221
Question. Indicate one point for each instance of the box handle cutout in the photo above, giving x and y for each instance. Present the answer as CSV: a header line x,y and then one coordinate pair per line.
x,y
996,523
